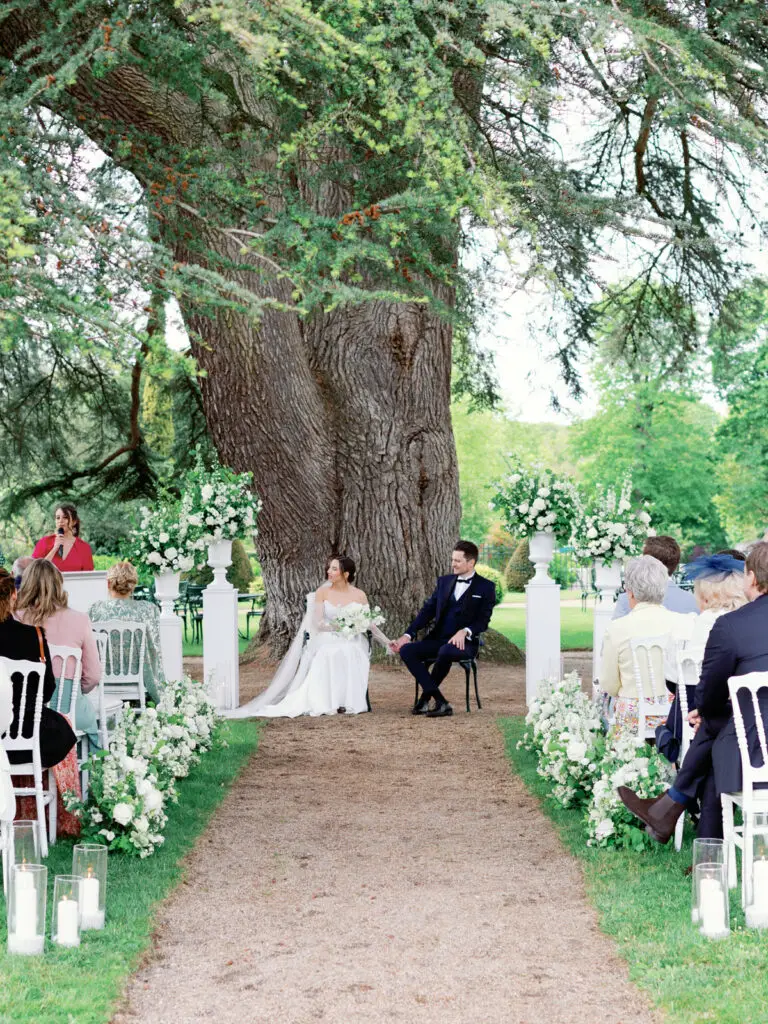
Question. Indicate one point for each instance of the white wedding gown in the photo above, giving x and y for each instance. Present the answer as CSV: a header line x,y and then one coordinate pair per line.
x,y
329,672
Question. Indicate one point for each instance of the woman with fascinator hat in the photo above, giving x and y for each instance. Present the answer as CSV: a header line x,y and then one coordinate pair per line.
x,y
718,586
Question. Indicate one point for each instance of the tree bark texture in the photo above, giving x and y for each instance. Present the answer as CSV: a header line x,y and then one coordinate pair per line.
x,y
344,418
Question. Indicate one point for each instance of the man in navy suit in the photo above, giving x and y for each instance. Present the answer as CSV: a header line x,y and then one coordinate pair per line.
x,y
737,644
459,610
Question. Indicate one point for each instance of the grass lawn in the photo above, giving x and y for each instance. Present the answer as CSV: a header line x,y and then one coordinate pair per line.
x,y
644,903
83,985
575,627
190,649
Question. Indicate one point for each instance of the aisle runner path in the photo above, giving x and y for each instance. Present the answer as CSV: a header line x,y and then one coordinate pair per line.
x,y
383,868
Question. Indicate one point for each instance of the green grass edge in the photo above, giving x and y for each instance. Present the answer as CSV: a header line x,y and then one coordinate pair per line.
x,y
86,985
643,902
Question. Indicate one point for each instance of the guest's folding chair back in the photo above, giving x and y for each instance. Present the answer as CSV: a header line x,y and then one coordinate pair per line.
x,y
747,688
124,655
648,653
67,664
23,736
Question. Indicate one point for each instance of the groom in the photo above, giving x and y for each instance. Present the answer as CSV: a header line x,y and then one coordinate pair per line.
x,y
459,610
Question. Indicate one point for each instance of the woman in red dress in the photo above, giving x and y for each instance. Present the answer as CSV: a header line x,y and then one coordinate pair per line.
x,y
65,548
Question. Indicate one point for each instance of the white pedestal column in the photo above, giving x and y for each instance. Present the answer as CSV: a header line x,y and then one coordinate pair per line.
x,y
607,581
221,654
167,591
542,618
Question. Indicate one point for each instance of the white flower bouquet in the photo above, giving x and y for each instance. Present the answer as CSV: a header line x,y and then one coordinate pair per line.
x,y
132,782
163,540
536,500
628,762
608,528
566,733
354,619
219,504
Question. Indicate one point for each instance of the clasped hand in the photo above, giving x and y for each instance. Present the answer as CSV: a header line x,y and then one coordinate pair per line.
x,y
694,720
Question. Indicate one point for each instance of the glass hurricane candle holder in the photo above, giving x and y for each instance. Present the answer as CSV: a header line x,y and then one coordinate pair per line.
x,y
65,918
711,882
26,846
89,863
27,891
705,851
756,911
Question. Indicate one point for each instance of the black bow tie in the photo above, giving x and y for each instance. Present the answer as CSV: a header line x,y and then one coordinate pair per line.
x,y
467,580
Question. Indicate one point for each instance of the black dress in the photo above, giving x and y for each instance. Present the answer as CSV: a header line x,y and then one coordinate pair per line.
x,y
19,642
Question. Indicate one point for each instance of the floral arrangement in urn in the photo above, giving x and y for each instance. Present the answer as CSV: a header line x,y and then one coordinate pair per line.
x,y
219,504
536,500
608,528
164,538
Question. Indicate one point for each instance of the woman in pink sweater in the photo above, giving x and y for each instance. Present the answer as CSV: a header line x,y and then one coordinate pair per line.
x,y
42,601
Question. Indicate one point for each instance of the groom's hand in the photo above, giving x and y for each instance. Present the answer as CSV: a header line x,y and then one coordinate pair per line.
x,y
401,641
459,639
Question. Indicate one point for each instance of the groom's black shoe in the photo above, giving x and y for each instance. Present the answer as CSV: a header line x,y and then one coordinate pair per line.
x,y
441,711
421,707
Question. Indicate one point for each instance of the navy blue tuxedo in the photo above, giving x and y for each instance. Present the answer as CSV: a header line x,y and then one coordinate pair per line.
x,y
446,616
737,644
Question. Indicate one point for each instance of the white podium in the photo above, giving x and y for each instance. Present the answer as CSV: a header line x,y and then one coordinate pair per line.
x,y
84,588
542,619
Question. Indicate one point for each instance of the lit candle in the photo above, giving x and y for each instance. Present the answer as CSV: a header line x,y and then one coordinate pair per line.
x,y
91,916
24,938
66,923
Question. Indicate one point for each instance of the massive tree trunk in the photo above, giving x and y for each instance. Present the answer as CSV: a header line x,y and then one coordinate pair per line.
x,y
343,418
345,422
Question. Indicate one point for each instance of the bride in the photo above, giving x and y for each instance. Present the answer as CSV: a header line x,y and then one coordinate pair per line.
x,y
330,674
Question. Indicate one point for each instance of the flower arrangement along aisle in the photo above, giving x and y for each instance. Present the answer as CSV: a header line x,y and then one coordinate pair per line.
x,y
628,762
131,783
566,733
536,500
607,528
354,619
164,539
218,504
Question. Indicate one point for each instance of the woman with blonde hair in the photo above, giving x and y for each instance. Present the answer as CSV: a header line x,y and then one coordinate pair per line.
x,y
42,601
122,579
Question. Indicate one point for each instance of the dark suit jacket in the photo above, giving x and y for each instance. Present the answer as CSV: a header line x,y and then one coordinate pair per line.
x,y
473,611
737,644
19,642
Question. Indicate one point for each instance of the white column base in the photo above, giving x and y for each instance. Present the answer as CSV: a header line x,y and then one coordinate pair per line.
x,y
542,635
221,652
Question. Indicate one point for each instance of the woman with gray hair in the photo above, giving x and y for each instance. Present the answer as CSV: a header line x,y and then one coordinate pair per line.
x,y
645,582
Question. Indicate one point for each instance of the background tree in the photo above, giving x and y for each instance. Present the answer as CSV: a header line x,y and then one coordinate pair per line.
x,y
298,179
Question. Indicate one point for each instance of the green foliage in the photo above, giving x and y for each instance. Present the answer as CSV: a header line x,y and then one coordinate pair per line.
x,y
562,570
495,577
240,572
519,568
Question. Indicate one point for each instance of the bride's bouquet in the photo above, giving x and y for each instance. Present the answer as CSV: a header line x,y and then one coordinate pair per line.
x,y
354,619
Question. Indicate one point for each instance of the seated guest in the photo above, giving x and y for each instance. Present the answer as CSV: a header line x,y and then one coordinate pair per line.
x,y
645,580
667,551
64,547
718,586
737,645
19,642
122,579
42,601
18,567
7,798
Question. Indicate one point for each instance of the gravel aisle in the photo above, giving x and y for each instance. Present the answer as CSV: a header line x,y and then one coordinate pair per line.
x,y
383,868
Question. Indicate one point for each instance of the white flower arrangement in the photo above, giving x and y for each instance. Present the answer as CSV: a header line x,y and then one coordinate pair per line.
x,y
163,538
219,504
608,528
536,500
628,762
566,732
354,619
132,782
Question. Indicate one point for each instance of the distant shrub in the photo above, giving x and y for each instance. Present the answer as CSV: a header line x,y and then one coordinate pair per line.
x,y
562,571
495,577
519,568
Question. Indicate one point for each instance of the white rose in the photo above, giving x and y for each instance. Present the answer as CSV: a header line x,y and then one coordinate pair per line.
x,y
604,829
122,813
171,553
141,824
155,558
522,509
591,533
538,505
163,538
153,801
544,492
143,786
575,750
206,492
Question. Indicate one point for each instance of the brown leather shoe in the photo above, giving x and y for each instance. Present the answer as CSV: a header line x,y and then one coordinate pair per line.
x,y
660,815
